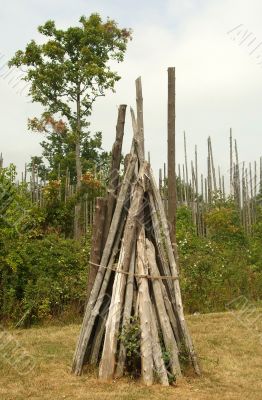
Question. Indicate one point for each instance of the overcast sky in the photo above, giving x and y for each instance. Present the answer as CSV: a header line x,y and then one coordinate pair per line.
x,y
218,76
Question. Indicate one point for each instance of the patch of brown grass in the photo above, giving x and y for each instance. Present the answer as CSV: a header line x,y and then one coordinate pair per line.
x,y
230,356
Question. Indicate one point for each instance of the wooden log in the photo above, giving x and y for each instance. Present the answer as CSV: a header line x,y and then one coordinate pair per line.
x,y
140,117
178,299
113,185
97,341
166,329
165,266
159,364
84,334
97,241
186,169
171,155
126,314
108,361
138,140
144,310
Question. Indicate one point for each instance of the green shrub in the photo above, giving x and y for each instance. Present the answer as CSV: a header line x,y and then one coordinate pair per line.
x,y
41,277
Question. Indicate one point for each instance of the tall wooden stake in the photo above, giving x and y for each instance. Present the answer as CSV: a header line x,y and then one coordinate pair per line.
x,y
171,154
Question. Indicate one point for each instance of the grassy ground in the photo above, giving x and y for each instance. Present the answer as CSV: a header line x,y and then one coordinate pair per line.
x,y
230,356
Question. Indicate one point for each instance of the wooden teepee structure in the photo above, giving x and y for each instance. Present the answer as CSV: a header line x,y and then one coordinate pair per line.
x,y
136,283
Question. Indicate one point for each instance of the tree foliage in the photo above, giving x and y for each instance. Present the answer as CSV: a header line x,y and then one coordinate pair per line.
x,y
73,65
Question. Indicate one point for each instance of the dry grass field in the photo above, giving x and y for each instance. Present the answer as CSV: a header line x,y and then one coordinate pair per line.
x,y
230,356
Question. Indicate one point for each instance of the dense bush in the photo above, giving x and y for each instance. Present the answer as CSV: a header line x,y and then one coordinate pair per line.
x,y
219,268
42,273
41,278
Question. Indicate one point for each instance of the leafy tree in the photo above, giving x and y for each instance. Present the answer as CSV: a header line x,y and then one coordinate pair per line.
x,y
58,155
70,71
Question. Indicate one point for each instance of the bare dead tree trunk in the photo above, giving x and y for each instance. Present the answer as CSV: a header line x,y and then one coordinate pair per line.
x,y
171,155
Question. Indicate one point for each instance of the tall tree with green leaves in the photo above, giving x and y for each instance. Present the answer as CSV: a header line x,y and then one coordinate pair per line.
x,y
58,152
71,70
